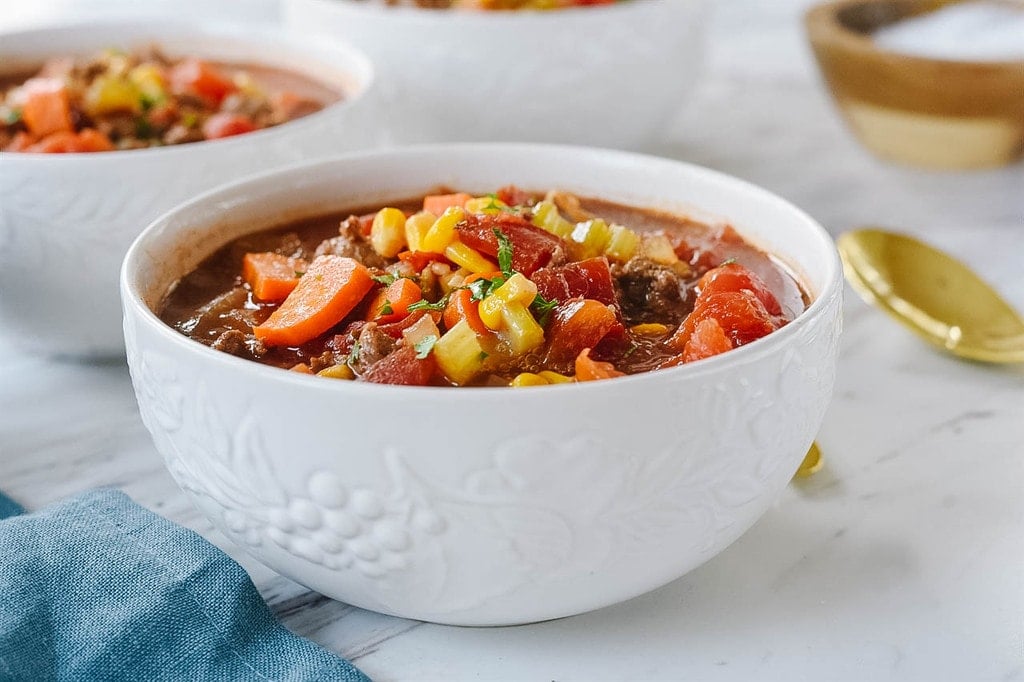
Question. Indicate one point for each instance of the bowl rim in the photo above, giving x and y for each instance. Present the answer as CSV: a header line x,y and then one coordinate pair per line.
x,y
350,60
376,11
824,26
823,300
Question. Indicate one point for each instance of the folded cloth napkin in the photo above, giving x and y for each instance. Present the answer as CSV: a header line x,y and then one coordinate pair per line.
x,y
98,588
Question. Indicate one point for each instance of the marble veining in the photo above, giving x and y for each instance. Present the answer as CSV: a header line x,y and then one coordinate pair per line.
x,y
901,560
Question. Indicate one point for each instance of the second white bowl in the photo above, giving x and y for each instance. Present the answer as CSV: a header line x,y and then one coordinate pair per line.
x,y
611,76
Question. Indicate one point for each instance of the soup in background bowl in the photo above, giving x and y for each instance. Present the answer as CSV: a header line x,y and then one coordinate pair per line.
x,y
478,505
67,219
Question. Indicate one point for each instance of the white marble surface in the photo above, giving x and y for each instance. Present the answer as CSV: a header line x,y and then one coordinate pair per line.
x,y
902,560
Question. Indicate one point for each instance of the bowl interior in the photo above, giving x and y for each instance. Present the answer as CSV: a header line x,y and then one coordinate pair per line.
x,y
179,241
335,66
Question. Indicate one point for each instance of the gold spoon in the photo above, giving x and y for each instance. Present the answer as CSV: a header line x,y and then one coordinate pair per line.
x,y
933,294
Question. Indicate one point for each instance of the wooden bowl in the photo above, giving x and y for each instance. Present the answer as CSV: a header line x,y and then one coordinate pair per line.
x,y
933,113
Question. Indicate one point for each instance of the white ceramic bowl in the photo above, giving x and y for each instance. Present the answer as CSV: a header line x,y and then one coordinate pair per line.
x,y
482,506
66,220
612,76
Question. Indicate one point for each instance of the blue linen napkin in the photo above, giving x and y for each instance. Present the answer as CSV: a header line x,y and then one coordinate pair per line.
x,y
99,588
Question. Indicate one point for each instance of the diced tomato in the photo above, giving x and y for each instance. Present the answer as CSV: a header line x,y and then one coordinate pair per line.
x,y
740,314
591,278
577,324
366,223
68,142
196,77
735,277
588,369
513,196
421,259
226,125
272,276
532,247
707,339
402,367
21,143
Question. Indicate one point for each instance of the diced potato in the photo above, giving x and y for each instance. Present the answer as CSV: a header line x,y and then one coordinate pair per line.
x,y
459,354
659,249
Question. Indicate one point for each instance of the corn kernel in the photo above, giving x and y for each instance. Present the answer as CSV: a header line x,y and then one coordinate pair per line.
x,y
659,249
486,205
547,217
149,80
337,372
556,378
459,354
469,258
528,379
623,244
649,329
442,232
108,94
416,227
387,234
517,290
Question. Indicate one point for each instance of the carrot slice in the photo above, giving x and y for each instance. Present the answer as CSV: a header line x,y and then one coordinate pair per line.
x,y
330,289
588,369
47,108
439,203
392,302
271,275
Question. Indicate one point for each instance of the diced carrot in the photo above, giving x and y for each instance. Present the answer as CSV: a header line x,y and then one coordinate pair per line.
x,y
439,203
47,108
196,77
301,368
92,140
392,302
226,125
330,289
421,259
271,275
461,306
588,369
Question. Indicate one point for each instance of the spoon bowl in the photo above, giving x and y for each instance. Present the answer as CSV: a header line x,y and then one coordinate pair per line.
x,y
933,294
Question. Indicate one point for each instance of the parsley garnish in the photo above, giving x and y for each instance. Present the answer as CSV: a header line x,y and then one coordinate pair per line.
x,y
12,116
299,274
189,120
424,346
427,305
504,253
353,355
387,279
484,355
543,307
386,309
143,128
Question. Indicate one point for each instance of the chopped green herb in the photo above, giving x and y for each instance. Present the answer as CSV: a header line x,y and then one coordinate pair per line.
x,y
484,355
543,307
387,279
386,309
426,305
12,116
727,262
148,101
299,274
143,128
504,253
189,120
632,349
424,346
353,355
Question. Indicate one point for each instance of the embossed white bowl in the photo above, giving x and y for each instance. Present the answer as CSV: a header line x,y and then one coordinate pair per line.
x,y
66,220
482,506
612,76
